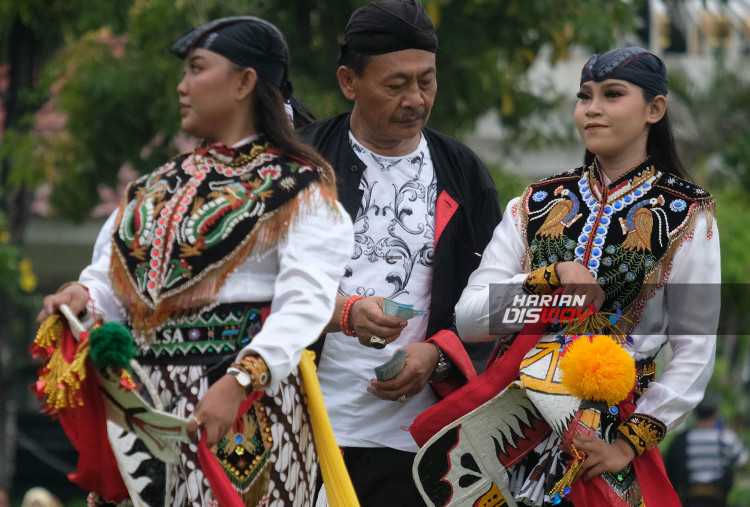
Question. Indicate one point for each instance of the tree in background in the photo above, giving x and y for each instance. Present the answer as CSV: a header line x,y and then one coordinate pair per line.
x,y
712,119
31,35
115,80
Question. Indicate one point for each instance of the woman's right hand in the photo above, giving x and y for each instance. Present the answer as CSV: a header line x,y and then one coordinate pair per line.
x,y
576,280
74,295
216,411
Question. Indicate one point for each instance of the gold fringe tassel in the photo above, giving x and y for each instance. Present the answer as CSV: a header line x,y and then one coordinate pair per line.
x,y
48,334
62,380
599,323
562,487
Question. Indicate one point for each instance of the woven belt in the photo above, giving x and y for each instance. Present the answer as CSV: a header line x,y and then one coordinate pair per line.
x,y
205,337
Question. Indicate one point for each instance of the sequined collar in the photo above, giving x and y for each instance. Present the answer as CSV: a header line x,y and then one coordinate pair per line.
x,y
633,179
235,156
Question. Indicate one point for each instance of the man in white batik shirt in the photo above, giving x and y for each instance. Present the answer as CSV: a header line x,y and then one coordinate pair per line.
x,y
424,208
393,257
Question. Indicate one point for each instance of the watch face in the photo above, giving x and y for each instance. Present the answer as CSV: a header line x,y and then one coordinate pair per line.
x,y
243,378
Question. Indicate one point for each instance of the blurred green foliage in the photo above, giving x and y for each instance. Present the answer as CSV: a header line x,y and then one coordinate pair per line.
x,y
508,185
118,102
16,275
9,272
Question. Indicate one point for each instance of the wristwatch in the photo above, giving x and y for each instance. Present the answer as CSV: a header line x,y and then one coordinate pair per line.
x,y
442,369
243,379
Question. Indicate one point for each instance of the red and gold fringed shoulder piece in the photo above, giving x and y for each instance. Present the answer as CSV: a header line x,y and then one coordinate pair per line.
x,y
183,228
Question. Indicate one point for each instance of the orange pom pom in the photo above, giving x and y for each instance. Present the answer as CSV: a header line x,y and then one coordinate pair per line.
x,y
596,368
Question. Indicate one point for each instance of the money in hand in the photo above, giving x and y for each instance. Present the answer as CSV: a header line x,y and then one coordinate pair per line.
x,y
401,310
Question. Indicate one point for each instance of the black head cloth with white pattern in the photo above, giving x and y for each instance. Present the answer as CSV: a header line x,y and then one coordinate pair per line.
x,y
246,41
633,64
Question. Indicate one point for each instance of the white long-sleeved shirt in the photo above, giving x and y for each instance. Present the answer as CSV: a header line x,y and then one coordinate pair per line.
x,y
300,277
684,318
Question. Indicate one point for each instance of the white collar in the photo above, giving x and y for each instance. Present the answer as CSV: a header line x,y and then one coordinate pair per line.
x,y
246,140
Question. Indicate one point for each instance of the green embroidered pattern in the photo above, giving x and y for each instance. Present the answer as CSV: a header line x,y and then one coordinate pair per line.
x,y
625,229
222,331
191,218
548,250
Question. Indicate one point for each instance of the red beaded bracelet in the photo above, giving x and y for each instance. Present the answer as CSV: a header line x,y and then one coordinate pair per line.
x,y
344,320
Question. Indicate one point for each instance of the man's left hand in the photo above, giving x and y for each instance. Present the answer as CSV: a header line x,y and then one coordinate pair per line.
x,y
601,456
421,360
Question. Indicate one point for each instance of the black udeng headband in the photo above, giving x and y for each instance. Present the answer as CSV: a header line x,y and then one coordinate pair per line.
x,y
633,64
386,26
246,41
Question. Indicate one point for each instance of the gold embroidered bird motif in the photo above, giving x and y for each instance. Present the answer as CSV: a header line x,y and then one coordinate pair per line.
x,y
639,223
562,213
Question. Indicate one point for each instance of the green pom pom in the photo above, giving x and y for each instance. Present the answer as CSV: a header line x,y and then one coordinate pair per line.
x,y
112,346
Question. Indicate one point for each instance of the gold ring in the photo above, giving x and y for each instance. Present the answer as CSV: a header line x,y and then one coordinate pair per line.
x,y
197,422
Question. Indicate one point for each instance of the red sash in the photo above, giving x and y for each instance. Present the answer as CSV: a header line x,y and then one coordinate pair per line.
x,y
649,467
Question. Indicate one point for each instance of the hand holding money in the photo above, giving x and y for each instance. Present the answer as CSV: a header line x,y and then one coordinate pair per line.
x,y
368,320
401,310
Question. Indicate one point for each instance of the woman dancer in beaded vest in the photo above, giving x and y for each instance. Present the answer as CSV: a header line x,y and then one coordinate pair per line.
x,y
225,263
622,231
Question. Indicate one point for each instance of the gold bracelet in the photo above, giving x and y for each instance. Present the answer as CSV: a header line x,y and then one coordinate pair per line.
x,y
258,370
542,280
642,432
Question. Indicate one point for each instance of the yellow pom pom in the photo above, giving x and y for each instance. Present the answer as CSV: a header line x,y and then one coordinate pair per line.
x,y
597,369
